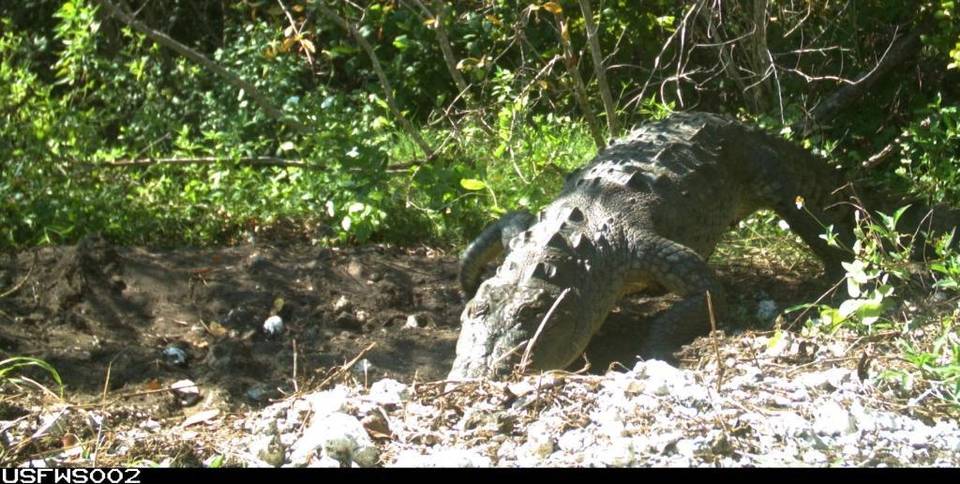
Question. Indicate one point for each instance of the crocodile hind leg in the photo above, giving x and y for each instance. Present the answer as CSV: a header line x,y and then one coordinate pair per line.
x,y
681,271
488,246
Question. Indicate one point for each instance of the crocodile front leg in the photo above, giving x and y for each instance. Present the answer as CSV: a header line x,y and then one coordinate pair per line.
x,y
488,246
681,271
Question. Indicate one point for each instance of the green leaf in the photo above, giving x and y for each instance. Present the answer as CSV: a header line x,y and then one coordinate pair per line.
x,y
472,184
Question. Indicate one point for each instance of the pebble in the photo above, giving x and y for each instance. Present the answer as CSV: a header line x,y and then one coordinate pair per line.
x,y
175,356
443,458
832,419
767,310
273,326
186,391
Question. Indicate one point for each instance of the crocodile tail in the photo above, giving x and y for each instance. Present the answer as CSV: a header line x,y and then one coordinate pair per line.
x,y
487,246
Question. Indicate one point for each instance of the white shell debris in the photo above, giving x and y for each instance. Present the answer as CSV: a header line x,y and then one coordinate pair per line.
x,y
273,325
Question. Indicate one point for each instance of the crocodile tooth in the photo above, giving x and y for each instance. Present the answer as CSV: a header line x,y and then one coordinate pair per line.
x,y
581,242
575,215
557,241
543,270
637,181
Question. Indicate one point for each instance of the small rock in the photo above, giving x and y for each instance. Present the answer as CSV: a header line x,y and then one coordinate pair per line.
x,y
443,458
367,457
388,392
619,453
269,449
813,456
187,392
175,355
785,424
779,344
338,435
273,326
766,310
258,392
832,419
686,447
412,322
377,425
327,402
355,268
660,377
831,379
342,304
575,440
362,316
150,424
540,441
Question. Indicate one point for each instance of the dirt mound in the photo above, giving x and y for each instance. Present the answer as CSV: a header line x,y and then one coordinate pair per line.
x,y
86,307
157,316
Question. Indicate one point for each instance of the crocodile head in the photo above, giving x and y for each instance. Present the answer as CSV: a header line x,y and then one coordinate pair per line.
x,y
540,293
502,318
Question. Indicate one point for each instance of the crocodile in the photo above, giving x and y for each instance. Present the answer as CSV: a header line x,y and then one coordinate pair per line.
x,y
645,213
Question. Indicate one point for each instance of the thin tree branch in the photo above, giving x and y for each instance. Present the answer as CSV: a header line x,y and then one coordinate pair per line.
x,y
898,52
210,160
381,76
613,124
443,40
163,39
579,88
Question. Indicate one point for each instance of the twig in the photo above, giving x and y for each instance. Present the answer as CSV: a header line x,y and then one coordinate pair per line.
x,y
103,412
297,30
163,39
821,298
343,369
716,344
23,281
879,157
525,359
296,389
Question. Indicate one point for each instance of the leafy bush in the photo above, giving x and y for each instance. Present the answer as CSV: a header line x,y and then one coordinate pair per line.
x,y
882,278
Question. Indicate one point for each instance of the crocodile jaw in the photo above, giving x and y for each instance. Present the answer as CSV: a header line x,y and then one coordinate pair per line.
x,y
497,329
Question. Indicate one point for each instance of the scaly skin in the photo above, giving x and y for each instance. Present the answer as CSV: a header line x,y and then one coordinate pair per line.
x,y
647,211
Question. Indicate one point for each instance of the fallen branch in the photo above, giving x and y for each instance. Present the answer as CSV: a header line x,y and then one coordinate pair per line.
x,y
163,39
898,52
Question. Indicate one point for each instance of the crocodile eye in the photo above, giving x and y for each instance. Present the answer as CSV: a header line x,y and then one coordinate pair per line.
x,y
529,311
